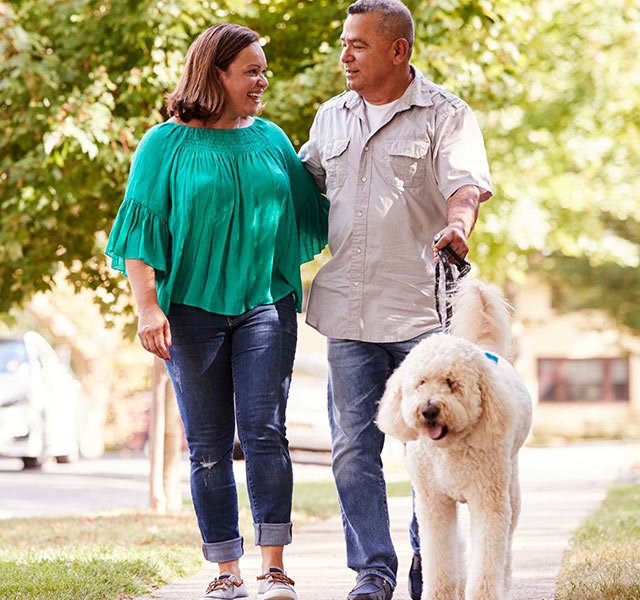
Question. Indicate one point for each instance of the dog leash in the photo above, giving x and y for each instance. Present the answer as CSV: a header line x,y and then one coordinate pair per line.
x,y
444,272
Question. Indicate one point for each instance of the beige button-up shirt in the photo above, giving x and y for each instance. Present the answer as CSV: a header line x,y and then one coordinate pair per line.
x,y
388,190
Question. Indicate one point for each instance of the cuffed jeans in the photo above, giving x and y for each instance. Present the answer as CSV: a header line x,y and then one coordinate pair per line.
x,y
358,372
214,359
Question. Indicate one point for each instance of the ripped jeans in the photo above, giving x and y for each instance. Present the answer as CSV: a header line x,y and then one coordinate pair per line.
x,y
214,360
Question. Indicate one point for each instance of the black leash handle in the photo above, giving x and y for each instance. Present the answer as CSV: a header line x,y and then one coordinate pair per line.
x,y
462,265
444,270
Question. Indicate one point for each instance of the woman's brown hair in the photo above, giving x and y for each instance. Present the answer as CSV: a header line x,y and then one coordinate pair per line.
x,y
199,93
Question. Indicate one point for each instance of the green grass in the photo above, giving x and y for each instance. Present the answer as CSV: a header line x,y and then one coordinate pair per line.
x,y
319,500
90,572
398,489
604,559
112,556
314,501
106,556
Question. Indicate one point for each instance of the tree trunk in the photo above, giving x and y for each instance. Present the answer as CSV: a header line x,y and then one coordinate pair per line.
x,y
156,438
173,437
165,443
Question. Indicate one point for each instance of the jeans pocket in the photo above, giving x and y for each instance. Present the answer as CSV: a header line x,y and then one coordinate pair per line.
x,y
191,325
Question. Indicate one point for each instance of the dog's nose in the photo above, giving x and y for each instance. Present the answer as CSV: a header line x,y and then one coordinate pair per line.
x,y
431,412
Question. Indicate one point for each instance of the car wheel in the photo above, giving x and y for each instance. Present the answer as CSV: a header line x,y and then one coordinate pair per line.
x,y
31,462
65,459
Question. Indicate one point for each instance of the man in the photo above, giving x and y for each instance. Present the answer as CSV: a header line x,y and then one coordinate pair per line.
x,y
401,160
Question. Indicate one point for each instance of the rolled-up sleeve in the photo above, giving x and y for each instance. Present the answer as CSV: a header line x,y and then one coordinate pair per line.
x,y
460,157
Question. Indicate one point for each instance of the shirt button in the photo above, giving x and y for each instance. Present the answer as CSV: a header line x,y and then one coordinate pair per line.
x,y
358,250
363,179
356,283
366,148
359,213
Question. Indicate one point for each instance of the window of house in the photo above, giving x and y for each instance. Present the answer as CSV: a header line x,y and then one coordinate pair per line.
x,y
583,380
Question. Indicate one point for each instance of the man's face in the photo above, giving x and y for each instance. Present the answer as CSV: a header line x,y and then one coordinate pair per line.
x,y
367,56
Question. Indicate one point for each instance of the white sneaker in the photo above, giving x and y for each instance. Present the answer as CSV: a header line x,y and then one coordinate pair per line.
x,y
275,585
226,587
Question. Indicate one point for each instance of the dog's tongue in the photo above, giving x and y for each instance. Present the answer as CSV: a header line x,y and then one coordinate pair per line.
x,y
435,431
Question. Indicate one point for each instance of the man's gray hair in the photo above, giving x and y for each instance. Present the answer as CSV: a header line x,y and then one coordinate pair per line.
x,y
396,21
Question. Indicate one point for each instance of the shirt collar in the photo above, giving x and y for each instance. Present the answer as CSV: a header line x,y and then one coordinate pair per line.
x,y
416,94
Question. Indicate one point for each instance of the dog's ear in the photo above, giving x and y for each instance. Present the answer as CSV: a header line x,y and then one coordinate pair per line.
x,y
494,418
389,419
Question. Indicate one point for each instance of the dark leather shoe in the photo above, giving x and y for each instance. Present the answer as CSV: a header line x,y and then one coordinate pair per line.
x,y
415,577
371,587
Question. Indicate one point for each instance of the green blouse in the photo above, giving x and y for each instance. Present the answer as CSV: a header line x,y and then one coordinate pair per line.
x,y
224,216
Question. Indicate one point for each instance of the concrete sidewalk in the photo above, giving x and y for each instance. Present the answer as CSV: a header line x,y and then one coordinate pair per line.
x,y
560,486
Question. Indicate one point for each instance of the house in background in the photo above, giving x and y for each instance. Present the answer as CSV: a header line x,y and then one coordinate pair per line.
x,y
581,370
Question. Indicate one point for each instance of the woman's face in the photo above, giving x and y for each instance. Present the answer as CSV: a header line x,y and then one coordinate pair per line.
x,y
244,81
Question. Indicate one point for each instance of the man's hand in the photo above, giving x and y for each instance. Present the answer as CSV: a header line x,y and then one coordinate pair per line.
x,y
154,332
452,236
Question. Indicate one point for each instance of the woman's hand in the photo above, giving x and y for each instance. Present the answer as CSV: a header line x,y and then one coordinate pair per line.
x,y
154,331
153,326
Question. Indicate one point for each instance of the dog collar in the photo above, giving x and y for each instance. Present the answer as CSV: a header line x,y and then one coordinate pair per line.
x,y
491,356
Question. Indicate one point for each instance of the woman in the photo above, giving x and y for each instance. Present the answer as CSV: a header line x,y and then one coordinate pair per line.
x,y
217,217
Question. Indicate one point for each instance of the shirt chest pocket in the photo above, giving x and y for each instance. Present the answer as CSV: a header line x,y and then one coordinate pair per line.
x,y
406,163
334,161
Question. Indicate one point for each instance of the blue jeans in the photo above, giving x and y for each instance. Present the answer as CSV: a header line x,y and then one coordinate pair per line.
x,y
216,359
358,372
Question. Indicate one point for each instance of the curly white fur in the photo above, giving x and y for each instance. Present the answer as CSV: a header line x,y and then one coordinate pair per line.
x,y
464,418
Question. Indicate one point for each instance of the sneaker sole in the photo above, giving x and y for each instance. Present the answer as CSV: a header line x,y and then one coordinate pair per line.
x,y
234,598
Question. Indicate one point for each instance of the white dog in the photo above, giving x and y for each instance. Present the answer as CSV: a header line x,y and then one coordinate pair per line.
x,y
460,399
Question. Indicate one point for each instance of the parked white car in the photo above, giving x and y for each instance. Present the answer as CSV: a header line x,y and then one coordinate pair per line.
x,y
41,402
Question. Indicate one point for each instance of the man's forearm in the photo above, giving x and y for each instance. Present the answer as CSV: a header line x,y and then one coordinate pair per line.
x,y
462,211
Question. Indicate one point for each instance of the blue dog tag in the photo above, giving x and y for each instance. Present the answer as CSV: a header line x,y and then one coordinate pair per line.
x,y
492,357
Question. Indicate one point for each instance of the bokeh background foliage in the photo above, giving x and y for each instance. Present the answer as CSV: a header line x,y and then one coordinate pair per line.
x,y
554,84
